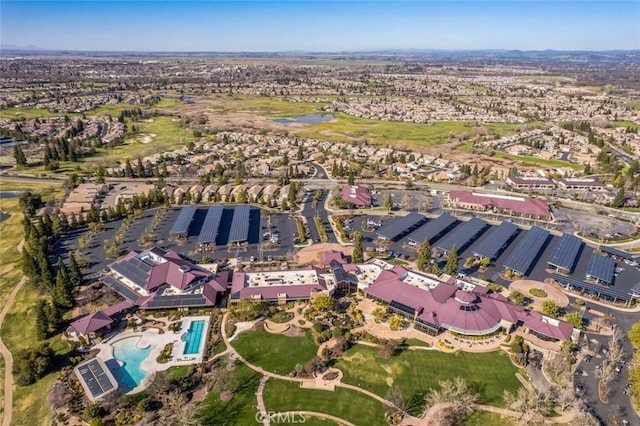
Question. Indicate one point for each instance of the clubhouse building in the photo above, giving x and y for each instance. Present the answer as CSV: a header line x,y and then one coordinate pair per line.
x,y
467,309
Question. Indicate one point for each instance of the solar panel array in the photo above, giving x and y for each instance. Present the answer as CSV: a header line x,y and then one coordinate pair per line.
x,y
239,224
591,288
210,226
433,229
616,252
122,289
181,301
525,253
496,241
566,252
134,270
601,268
95,378
401,225
463,235
183,221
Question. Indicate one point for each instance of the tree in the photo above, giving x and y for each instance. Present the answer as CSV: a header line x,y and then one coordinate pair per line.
x,y
435,269
550,308
380,313
395,322
18,154
300,153
323,301
634,334
388,349
575,319
618,200
457,399
396,398
41,320
530,404
517,297
424,255
75,275
32,364
63,290
388,202
358,254
451,268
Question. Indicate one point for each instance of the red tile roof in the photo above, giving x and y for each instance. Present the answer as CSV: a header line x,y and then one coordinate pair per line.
x,y
520,205
356,194
91,323
327,256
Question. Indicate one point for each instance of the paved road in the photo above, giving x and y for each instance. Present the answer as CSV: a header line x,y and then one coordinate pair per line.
x,y
309,212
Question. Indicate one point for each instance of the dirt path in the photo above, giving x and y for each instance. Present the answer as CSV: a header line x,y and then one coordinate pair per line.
x,y
284,415
6,354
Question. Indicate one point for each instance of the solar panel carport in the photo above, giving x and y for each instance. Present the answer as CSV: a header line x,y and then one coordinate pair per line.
x,y
209,231
496,240
239,231
527,250
463,235
180,228
616,252
401,226
579,285
601,268
565,255
433,229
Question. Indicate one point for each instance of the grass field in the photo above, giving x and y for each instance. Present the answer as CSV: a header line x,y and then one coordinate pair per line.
x,y
485,418
241,409
276,353
416,371
29,405
346,404
537,161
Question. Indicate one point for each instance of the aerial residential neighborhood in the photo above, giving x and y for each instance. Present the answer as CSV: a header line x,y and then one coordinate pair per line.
x,y
329,213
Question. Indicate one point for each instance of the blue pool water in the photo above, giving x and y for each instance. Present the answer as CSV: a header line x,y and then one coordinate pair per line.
x,y
312,119
193,336
129,374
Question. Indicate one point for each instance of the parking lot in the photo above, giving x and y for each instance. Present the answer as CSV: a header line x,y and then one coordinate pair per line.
x,y
627,276
281,225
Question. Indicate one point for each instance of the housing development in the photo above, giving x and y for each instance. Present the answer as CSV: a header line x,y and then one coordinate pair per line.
x,y
362,239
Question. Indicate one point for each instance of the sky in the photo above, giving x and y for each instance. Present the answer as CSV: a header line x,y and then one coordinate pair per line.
x,y
317,26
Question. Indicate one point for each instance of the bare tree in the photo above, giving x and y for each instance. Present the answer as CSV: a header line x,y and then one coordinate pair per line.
x,y
456,397
395,397
530,405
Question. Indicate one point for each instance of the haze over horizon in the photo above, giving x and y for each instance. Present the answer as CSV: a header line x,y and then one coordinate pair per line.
x,y
320,26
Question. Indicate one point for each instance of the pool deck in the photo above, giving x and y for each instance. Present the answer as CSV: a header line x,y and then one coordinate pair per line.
x,y
152,337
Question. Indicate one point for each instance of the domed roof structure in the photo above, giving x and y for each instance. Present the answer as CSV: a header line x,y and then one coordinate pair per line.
x,y
466,297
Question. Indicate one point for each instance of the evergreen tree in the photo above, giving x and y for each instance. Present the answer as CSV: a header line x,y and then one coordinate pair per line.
x,y
139,169
75,275
63,290
30,266
424,255
618,201
46,273
291,196
42,326
358,254
388,202
285,159
54,319
128,170
18,154
300,153
451,268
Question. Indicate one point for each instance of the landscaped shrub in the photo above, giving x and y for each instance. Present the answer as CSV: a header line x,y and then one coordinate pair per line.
x,y
281,317
538,292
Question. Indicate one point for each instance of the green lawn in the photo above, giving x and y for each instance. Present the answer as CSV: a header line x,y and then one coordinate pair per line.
x,y
485,418
317,421
241,409
537,161
346,404
275,352
28,402
416,371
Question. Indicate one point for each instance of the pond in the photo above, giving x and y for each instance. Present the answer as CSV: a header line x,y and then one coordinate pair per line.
x,y
309,119
10,194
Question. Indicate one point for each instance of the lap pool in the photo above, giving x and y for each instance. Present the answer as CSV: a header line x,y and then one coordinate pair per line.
x,y
128,371
193,337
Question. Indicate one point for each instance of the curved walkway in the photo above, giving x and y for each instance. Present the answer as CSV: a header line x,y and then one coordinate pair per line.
x,y
6,354
316,414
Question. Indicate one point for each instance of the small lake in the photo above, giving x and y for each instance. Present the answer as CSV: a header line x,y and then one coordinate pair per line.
x,y
309,119
4,216
10,194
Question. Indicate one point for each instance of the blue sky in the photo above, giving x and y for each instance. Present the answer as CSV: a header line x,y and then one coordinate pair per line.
x,y
313,25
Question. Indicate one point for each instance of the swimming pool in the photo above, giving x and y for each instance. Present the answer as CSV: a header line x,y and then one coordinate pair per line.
x,y
129,374
193,337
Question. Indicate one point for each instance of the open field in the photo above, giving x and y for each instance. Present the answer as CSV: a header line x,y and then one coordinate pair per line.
x,y
343,403
537,161
241,409
114,109
416,371
275,352
29,406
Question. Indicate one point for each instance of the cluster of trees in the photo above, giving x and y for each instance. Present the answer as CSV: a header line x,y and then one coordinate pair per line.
x,y
31,364
60,150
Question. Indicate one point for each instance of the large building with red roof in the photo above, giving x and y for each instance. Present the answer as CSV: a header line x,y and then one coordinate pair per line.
x,y
507,204
470,310
279,286
357,195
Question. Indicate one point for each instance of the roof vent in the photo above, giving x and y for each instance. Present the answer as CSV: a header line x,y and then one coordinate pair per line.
x,y
184,268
